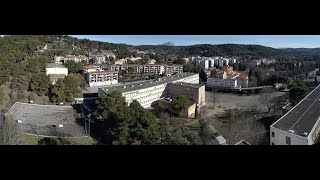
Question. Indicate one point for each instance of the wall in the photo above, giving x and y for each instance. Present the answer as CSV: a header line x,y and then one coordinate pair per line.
x,y
57,71
280,138
314,132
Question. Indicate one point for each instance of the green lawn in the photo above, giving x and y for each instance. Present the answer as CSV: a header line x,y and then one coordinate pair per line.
x,y
33,140
218,124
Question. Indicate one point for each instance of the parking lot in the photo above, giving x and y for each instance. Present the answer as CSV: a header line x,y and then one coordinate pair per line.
x,y
47,120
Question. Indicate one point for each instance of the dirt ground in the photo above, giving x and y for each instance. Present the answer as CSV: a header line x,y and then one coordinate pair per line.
x,y
222,101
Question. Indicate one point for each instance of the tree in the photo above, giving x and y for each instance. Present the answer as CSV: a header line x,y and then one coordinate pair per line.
x,y
1,95
203,76
10,131
297,93
180,61
72,89
243,127
57,94
114,112
180,103
236,66
188,67
164,126
53,141
40,84
205,133
144,126
74,67
131,70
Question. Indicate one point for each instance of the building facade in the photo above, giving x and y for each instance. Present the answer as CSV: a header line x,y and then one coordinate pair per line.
x,y
56,72
101,78
300,125
148,92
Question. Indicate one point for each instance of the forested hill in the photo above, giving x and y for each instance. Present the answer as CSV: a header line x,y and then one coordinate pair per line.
x,y
255,51
305,51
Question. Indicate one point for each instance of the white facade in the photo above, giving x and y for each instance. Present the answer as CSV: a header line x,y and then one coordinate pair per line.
x,y
146,96
222,83
57,71
220,62
101,78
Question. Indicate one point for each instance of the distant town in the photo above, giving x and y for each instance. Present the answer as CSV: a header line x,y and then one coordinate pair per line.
x,y
60,90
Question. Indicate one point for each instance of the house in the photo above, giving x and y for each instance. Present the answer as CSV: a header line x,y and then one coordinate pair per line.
x,y
56,72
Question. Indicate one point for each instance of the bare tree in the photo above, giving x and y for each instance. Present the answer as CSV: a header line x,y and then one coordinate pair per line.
x,y
243,127
10,134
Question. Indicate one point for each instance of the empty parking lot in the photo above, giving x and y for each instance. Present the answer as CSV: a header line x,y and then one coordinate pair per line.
x,y
47,120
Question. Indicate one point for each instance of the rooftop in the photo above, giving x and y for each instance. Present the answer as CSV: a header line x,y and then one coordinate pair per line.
x,y
54,65
45,120
189,84
302,118
145,84
242,142
102,72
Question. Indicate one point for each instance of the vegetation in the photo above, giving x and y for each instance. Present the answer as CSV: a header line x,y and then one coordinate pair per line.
x,y
180,103
10,134
126,124
298,90
53,141
65,90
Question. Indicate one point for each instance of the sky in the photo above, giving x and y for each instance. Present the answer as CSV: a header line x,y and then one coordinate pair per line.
x,y
275,41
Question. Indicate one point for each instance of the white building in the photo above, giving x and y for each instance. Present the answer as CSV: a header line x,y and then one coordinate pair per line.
x,y
299,126
98,59
58,59
148,92
90,68
101,78
228,83
76,59
56,71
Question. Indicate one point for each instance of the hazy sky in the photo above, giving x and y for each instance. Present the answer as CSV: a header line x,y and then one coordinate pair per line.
x,y
276,41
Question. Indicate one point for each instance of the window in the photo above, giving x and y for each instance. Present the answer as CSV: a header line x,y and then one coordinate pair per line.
x,y
288,140
272,134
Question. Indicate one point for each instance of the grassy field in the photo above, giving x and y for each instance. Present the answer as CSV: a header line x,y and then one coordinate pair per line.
x,y
33,140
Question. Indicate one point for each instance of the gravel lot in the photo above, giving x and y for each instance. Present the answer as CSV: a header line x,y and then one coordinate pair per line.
x,y
228,100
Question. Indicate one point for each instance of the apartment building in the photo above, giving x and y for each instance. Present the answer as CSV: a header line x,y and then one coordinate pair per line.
x,y
173,69
101,78
76,59
147,69
148,92
300,125
90,68
153,69
227,78
124,69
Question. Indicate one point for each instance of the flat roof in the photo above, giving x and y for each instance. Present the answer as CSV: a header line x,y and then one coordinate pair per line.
x,y
54,65
303,116
188,84
145,84
39,119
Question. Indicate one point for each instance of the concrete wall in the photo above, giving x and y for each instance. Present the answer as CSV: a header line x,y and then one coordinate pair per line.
x,y
280,138
314,133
